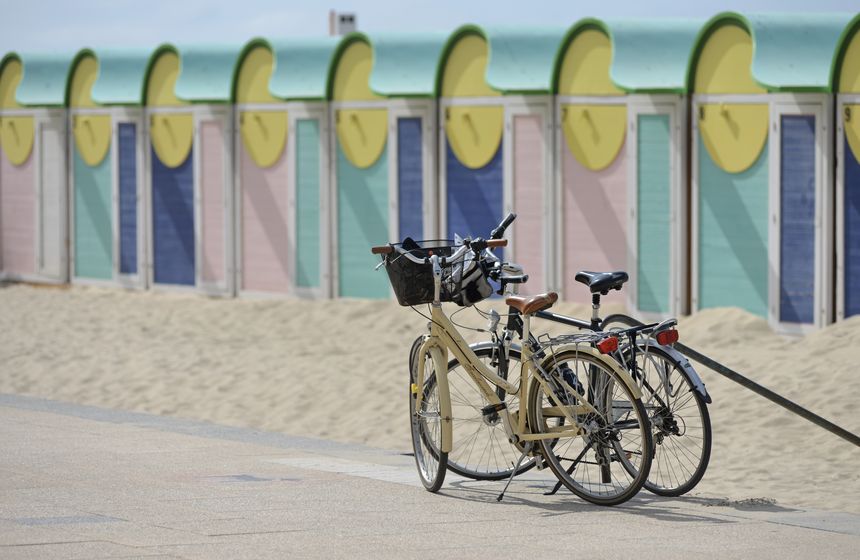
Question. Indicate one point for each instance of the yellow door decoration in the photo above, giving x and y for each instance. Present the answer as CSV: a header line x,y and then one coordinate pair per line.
x,y
172,133
264,133
172,136
362,133
585,69
16,133
849,77
474,132
594,133
92,137
92,132
851,120
734,134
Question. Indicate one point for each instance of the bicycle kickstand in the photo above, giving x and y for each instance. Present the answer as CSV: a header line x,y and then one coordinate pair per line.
x,y
526,450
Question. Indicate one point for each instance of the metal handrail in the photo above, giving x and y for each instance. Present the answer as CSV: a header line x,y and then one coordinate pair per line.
x,y
732,375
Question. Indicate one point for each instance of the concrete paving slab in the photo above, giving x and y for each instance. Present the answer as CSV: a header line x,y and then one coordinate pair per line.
x,y
82,482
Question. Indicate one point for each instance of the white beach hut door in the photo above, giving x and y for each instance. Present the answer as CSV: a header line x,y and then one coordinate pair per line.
x,y
797,207
213,202
129,238
411,195
653,216
308,202
527,192
52,261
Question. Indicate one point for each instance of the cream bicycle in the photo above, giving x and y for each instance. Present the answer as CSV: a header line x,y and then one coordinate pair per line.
x,y
578,412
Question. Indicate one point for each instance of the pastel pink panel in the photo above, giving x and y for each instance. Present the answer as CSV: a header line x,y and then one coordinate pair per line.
x,y
529,193
17,216
594,222
212,201
265,215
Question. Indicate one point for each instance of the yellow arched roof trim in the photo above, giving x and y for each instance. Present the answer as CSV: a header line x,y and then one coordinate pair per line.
x,y
352,77
161,88
16,133
849,76
725,62
466,69
586,64
252,85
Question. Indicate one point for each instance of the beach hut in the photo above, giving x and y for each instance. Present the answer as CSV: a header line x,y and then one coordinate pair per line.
x,y
33,187
649,63
846,82
189,180
106,155
592,159
282,167
404,72
382,155
762,166
495,119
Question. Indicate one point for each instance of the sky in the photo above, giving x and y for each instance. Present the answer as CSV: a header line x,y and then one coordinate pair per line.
x,y
68,25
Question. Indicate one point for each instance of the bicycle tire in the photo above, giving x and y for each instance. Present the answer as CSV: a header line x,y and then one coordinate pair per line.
x,y
618,436
681,424
425,424
481,450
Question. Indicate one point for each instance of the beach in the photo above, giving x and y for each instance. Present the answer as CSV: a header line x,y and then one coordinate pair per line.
x,y
336,369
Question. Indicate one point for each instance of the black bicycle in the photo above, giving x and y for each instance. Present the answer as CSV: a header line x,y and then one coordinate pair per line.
x,y
673,393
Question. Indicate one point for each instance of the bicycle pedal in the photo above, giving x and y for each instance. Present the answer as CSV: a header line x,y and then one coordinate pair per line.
x,y
493,408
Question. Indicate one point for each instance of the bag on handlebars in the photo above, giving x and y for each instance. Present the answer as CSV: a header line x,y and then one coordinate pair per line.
x,y
468,282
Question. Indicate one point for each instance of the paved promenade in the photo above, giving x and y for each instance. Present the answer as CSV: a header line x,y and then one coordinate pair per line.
x,y
82,482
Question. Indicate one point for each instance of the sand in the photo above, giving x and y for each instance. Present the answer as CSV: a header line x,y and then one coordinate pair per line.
x,y
337,370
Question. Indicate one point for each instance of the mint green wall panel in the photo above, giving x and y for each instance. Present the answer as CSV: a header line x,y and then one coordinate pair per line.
x,y
733,235
308,203
654,206
93,219
362,215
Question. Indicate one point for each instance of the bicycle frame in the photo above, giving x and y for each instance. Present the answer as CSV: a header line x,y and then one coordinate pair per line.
x,y
444,337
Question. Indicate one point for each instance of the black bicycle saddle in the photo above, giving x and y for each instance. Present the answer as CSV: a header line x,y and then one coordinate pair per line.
x,y
602,282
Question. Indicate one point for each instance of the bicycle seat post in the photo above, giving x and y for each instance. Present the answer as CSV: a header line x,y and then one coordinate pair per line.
x,y
595,311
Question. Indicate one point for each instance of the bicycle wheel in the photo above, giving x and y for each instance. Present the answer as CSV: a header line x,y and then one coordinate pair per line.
x,y
680,423
426,423
608,462
481,449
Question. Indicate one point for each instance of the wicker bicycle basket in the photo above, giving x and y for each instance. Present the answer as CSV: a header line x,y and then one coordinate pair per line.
x,y
412,282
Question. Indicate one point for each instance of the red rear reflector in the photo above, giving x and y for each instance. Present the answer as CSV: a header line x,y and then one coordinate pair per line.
x,y
665,338
608,345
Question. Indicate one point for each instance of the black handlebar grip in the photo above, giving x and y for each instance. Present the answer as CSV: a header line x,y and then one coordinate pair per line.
x,y
499,232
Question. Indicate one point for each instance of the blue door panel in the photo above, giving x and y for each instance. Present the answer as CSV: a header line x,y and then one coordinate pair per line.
x,y
852,230
474,196
127,198
797,219
410,178
173,221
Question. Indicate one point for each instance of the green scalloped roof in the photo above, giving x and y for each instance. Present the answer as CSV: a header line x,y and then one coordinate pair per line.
x,y
302,67
792,52
651,55
405,65
795,52
44,79
121,75
206,72
521,59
